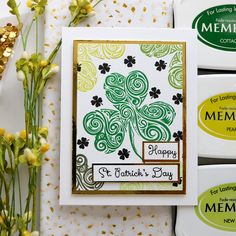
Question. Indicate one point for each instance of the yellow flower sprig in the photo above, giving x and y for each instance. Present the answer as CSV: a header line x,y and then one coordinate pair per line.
x,y
27,148
80,10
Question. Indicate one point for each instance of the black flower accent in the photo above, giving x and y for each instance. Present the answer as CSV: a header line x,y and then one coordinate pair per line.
x,y
154,93
79,67
96,101
160,65
104,68
178,98
130,61
83,142
124,153
178,136
177,183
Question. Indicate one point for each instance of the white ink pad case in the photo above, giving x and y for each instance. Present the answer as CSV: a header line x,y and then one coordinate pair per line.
x,y
214,21
217,116
215,212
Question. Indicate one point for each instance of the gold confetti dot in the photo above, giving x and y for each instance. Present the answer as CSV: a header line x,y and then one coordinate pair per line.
x,y
133,9
124,5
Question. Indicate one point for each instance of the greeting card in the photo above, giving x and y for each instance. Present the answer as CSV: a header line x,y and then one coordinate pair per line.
x,y
130,113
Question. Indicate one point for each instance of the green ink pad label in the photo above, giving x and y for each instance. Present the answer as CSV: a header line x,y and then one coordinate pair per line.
x,y
217,207
217,116
216,27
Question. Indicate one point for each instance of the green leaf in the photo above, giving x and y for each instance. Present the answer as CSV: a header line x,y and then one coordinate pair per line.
x,y
108,127
151,121
131,90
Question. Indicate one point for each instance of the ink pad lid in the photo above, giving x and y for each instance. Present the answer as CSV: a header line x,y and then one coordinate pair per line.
x,y
215,213
215,23
217,116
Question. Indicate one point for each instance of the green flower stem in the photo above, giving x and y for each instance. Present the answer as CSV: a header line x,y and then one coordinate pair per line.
x,y
54,52
27,33
34,211
19,188
97,3
36,32
28,199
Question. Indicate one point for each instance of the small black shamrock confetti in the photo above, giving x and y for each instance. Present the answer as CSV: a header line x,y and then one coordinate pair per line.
x,y
78,67
178,98
178,135
154,93
176,184
83,142
160,65
96,101
130,61
124,153
104,68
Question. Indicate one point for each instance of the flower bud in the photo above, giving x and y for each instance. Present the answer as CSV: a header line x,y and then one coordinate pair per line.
x,y
26,233
2,132
25,55
54,69
44,148
29,3
43,63
9,137
43,131
30,156
22,134
27,216
20,75
35,233
89,8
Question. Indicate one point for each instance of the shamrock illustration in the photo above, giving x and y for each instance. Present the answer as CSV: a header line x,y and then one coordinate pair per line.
x,y
124,153
104,68
178,98
97,101
160,65
178,135
150,122
78,67
154,93
129,61
177,184
83,142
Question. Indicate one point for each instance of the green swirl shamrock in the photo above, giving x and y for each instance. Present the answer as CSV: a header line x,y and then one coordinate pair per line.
x,y
127,95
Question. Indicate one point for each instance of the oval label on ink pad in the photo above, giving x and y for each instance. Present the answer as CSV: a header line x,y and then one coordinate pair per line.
x,y
216,27
217,116
217,207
